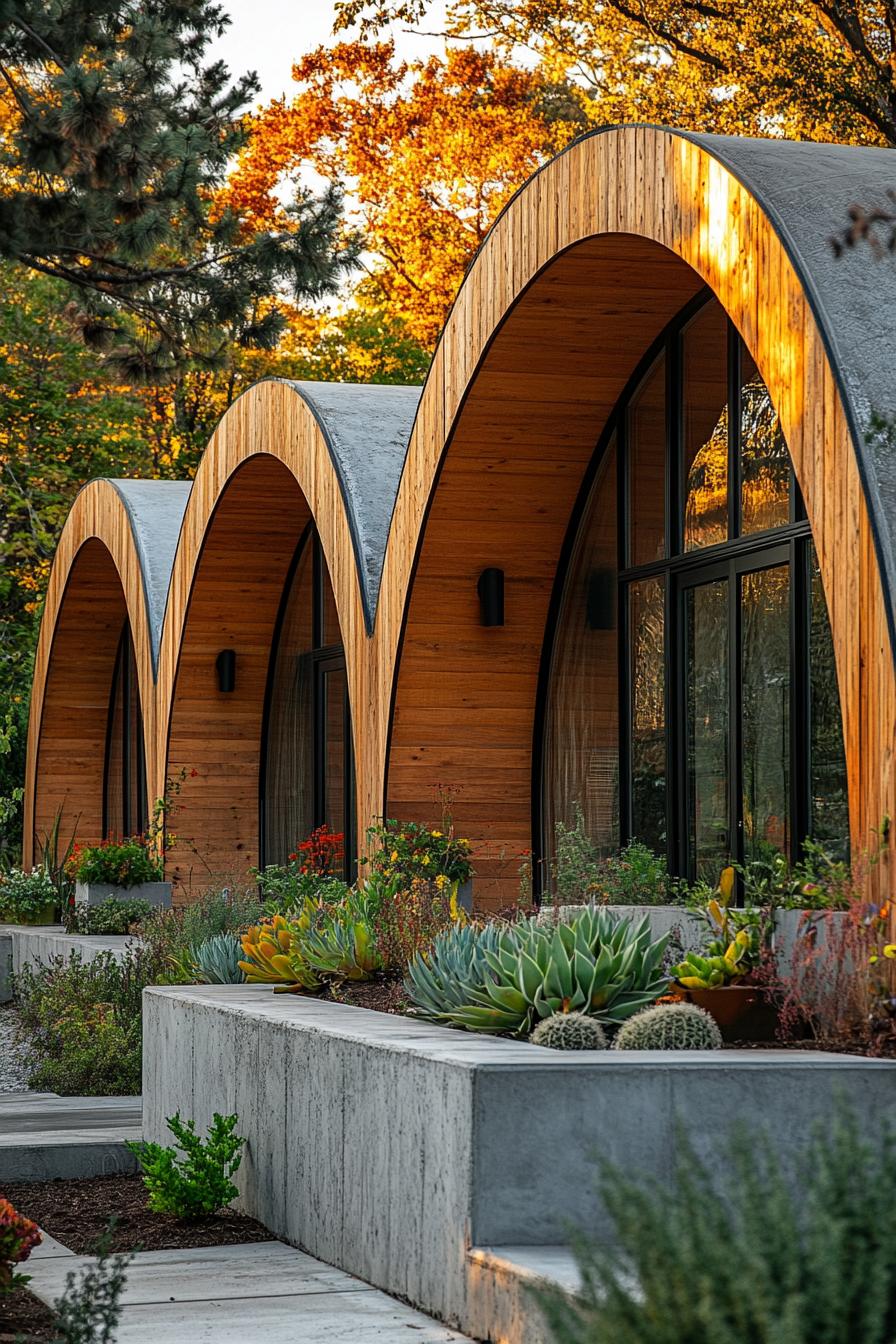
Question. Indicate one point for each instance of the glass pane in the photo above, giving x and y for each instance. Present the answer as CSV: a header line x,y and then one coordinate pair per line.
x,y
705,428
288,805
765,664
648,711
706,633
581,757
335,727
829,797
115,804
647,459
765,461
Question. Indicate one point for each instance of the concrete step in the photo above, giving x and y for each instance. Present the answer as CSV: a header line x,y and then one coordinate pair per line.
x,y
45,1137
241,1294
502,1279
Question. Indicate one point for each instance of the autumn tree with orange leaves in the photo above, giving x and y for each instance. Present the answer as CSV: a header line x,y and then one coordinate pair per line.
x,y
429,152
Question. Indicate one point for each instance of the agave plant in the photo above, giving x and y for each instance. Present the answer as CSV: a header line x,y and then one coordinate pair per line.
x,y
507,978
216,961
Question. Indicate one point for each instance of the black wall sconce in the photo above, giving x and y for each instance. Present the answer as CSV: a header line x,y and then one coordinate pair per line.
x,y
600,600
225,666
490,587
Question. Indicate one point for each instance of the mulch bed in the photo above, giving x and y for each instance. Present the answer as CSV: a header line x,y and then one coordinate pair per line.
x,y
78,1212
24,1319
383,996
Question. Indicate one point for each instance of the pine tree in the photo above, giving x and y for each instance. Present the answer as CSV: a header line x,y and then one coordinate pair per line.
x,y
116,130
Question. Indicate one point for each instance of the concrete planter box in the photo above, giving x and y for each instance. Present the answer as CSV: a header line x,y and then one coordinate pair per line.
x,y
94,893
398,1151
23,945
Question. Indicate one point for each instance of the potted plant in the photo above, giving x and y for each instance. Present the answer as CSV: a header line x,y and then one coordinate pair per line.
x,y
117,868
721,979
27,898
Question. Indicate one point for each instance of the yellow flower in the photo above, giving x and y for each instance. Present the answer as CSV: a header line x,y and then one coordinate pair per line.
x,y
890,951
436,834
393,856
425,859
442,881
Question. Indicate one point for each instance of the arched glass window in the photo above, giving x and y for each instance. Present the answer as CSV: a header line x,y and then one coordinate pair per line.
x,y
307,765
691,698
124,791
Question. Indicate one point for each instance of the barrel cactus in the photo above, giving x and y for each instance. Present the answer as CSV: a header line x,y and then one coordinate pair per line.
x,y
569,1031
669,1026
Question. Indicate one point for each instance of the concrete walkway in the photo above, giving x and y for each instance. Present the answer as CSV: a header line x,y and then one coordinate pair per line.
x,y
265,1293
44,1137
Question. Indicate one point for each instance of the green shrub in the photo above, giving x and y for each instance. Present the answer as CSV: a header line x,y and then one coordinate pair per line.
x,y
669,1026
580,872
286,887
81,1024
801,1254
569,1031
198,1183
506,977
25,895
112,916
118,863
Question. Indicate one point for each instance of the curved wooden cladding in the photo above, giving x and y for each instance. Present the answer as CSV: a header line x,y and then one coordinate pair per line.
x,y
583,269
95,585
266,472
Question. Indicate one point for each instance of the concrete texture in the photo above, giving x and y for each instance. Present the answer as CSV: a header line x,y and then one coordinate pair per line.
x,y
39,944
94,893
366,428
265,1291
155,511
44,1137
5,965
390,1147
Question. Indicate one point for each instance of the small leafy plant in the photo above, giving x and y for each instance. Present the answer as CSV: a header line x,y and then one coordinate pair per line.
x,y
198,1183
18,1238
89,1309
26,895
118,863
112,916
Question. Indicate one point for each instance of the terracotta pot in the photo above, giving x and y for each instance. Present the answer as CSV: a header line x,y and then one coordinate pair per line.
x,y
727,1003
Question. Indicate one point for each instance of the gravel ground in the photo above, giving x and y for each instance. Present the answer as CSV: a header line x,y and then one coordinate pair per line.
x,y
12,1075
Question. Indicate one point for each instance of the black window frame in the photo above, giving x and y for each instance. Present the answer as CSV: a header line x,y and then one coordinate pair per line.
x,y
790,542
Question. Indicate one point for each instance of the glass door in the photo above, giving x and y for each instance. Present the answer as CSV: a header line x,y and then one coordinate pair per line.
x,y
735,738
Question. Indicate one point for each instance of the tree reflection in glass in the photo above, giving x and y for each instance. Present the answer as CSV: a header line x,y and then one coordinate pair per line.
x,y
765,692
765,461
706,633
705,426
648,709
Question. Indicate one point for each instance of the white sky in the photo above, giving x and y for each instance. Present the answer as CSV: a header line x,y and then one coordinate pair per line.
x,y
269,35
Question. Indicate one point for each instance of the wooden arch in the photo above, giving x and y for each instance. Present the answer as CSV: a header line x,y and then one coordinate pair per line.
x,y
584,268
96,584
266,473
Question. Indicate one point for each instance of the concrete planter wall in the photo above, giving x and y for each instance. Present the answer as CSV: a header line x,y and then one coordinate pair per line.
x,y
94,893
23,945
394,1149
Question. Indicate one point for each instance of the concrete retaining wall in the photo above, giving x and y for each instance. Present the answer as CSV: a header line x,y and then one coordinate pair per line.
x,y
32,944
5,965
389,1147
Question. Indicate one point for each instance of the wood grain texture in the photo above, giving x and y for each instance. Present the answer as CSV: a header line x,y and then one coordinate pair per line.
x,y
584,269
95,585
587,264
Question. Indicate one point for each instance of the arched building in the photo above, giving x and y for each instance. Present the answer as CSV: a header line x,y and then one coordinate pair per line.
x,y
630,550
